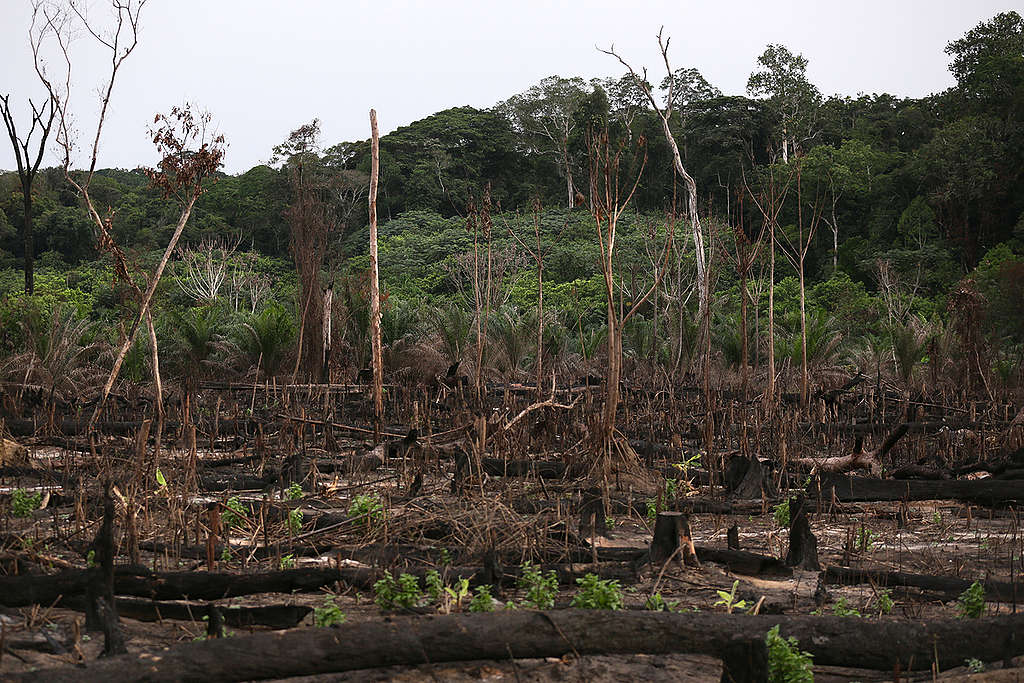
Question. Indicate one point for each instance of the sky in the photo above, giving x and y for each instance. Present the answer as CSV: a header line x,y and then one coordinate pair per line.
x,y
264,67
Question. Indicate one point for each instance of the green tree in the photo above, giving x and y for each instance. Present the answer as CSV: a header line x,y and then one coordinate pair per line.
x,y
782,78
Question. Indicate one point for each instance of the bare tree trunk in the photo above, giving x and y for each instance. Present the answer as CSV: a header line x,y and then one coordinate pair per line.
x,y
743,330
570,190
770,389
803,336
143,309
29,240
540,305
328,305
378,361
157,385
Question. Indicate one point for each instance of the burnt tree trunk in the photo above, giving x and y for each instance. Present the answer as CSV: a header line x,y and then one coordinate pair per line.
x,y
803,546
833,641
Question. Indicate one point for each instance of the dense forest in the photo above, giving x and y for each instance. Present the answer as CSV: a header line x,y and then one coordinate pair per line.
x,y
907,201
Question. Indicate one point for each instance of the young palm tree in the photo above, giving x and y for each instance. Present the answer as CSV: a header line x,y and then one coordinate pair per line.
x,y
452,324
264,340
513,334
61,355
194,344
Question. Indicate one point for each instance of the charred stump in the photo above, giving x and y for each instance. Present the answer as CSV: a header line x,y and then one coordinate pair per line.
x,y
803,546
671,536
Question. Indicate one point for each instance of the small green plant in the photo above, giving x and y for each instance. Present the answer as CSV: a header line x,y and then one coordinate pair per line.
x,y
937,517
975,666
367,506
541,588
670,488
652,510
971,602
885,602
656,603
225,554
482,601
234,512
454,595
288,561
329,614
160,480
781,514
90,559
609,522
596,593
405,592
842,609
293,492
865,539
24,503
728,599
786,662
295,521
435,587
446,557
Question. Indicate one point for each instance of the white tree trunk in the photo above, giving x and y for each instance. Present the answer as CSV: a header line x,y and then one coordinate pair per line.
x,y
375,341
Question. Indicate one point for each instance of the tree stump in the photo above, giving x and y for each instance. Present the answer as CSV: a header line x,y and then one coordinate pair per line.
x,y
803,546
748,478
733,537
672,530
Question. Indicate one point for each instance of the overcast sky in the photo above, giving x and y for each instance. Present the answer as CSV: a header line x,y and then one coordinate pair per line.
x,y
263,67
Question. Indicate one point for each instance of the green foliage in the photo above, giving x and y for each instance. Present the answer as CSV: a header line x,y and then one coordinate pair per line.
x,y
781,514
328,614
225,554
541,588
392,594
160,480
596,593
293,492
865,539
368,506
656,603
971,603
265,339
24,502
843,609
885,602
234,512
90,559
435,587
287,562
294,521
786,662
482,601
728,599
975,666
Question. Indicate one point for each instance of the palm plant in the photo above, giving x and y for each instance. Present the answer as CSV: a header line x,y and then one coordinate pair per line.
x,y
908,346
195,341
452,324
514,335
399,328
265,339
60,355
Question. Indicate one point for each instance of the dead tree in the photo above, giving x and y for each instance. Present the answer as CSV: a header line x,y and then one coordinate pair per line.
x,y
700,250
28,153
310,220
189,155
375,341
608,205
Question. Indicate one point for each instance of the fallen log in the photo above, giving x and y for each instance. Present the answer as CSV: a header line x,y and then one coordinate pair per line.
x,y
988,492
140,609
546,469
882,645
20,591
859,459
951,587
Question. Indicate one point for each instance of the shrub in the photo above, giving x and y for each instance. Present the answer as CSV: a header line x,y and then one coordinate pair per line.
x,y
234,512
405,592
329,614
597,593
541,588
781,514
971,602
368,506
786,662
24,503
482,601
656,603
